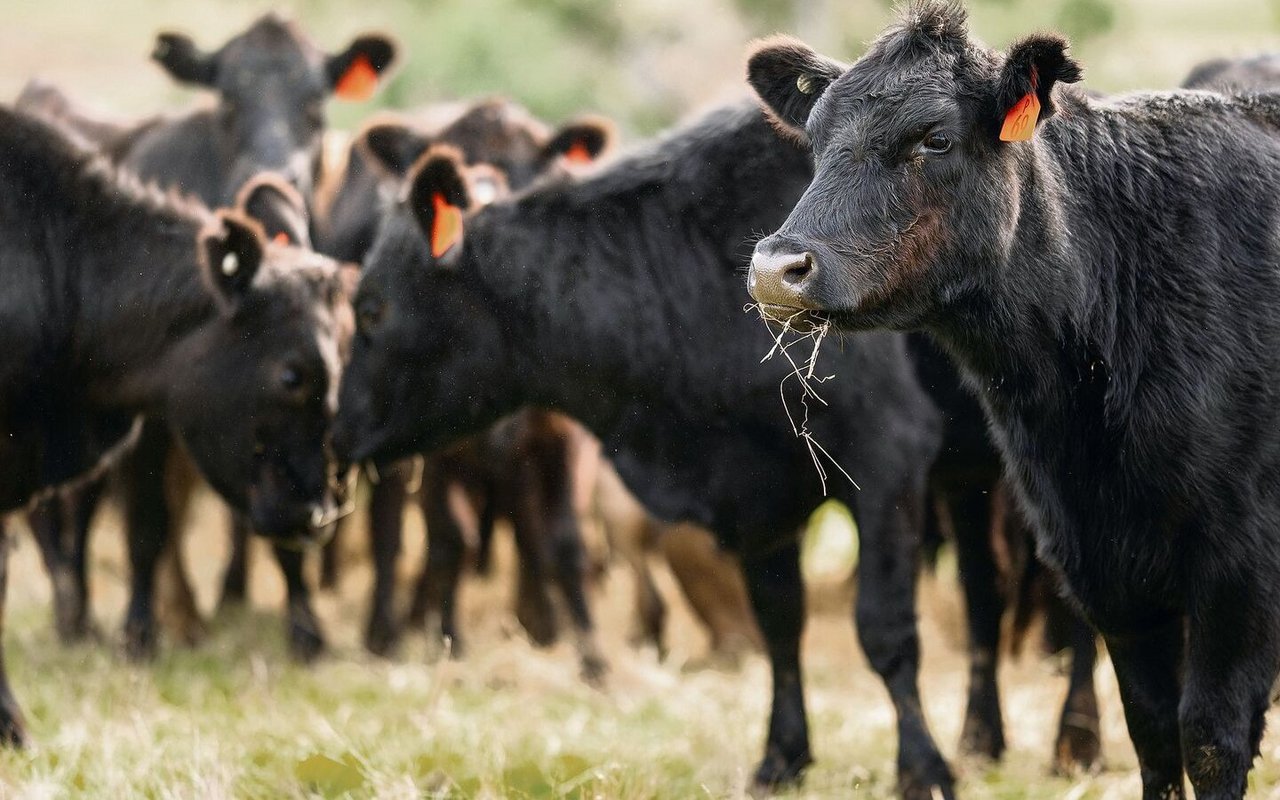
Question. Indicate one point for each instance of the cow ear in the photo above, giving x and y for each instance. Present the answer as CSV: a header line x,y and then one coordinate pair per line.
x,y
230,250
393,147
1024,96
277,207
185,62
789,77
439,197
580,142
354,73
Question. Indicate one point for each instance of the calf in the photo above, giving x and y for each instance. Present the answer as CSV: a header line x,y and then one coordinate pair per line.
x,y
617,299
1105,277
120,302
521,471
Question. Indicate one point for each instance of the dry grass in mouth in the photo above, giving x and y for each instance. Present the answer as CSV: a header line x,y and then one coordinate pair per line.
x,y
815,330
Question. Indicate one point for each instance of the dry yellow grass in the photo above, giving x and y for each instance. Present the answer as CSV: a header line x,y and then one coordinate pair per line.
x,y
234,718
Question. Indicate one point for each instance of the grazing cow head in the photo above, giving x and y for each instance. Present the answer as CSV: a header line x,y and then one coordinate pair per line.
x,y
416,304
496,132
915,148
272,83
256,389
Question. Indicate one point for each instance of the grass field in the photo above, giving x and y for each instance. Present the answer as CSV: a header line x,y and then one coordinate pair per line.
x,y
234,718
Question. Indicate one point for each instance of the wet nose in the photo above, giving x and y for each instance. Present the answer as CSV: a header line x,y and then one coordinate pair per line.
x,y
781,278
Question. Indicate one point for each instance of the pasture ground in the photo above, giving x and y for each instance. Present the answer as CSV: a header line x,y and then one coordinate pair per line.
x,y
234,718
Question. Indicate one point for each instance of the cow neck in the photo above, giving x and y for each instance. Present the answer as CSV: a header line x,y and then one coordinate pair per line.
x,y
626,288
141,293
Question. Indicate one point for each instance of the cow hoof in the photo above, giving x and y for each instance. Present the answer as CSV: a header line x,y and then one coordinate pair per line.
x,y
1077,750
930,781
382,636
982,738
306,642
777,772
140,641
13,731
539,621
441,646
77,631
594,669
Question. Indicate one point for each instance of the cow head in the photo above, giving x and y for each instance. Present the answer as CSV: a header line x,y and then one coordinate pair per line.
x,y
496,132
272,84
253,392
426,329
915,151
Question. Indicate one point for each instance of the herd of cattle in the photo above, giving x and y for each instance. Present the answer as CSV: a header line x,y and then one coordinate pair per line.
x,y
1058,331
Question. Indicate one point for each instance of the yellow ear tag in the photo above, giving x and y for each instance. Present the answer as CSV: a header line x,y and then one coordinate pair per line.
x,y
1020,122
446,225
358,83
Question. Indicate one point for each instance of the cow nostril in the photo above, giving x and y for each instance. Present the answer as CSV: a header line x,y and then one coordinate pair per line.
x,y
798,271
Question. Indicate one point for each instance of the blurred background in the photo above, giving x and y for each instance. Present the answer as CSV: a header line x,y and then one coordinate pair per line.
x,y
643,62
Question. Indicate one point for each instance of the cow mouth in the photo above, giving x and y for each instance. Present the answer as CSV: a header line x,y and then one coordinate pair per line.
x,y
800,320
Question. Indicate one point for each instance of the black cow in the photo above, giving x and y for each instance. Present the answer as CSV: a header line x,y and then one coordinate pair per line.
x,y
617,299
121,302
1255,73
523,469
1106,277
271,83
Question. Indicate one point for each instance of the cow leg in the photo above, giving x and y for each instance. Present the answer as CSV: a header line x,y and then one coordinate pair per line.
x,y
534,610
235,581
1147,665
651,611
712,583
484,547
13,729
60,524
776,589
330,559
889,532
386,520
436,592
176,600
1233,656
1079,742
983,731
546,530
147,523
302,626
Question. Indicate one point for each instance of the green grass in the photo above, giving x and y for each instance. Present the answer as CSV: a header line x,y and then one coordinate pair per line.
x,y
234,718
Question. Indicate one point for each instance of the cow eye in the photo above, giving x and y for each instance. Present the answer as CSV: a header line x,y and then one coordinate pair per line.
x,y
291,378
368,315
936,143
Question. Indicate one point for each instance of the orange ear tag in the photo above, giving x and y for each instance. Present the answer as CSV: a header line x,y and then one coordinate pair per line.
x,y
446,225
1020,122
578,154
281,238
358,83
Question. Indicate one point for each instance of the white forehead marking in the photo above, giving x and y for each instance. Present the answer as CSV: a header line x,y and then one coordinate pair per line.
x,y
230,264
327,344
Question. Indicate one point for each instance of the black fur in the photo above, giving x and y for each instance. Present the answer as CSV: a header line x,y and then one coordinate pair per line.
x,y
1109,289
